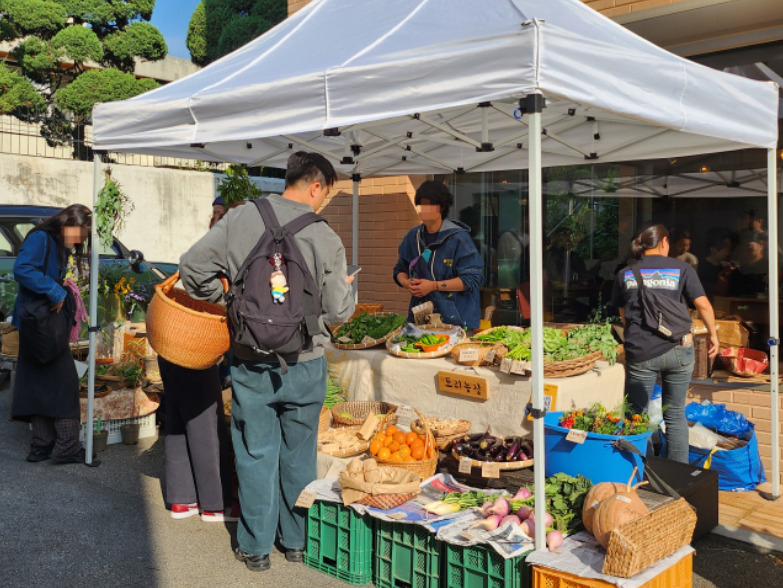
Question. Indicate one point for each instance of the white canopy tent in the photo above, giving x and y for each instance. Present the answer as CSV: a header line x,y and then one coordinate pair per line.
x,y
434,86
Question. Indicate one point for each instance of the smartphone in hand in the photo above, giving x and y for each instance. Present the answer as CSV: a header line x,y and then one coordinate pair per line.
x,y
353,270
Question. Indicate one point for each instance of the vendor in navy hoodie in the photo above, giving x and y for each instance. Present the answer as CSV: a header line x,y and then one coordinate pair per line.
x,y
439,262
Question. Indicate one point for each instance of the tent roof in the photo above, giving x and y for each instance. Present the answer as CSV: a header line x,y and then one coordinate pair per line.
x,y
432,86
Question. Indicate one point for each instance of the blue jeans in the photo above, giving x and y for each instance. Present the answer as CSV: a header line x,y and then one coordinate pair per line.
x,y
675,367
274,426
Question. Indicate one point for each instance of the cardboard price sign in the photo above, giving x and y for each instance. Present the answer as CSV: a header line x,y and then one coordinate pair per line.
x,y
550,399
306,499
576,436
490,469
465,465
475,387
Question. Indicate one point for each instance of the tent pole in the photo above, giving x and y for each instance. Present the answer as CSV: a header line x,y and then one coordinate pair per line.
x,y
93,320
533,104
774,318
355,232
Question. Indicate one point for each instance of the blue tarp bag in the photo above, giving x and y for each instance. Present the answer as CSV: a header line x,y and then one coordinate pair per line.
x,y
740,469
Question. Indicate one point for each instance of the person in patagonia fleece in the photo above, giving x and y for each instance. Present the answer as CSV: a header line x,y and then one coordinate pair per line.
x,y
647,353
439,262
274,424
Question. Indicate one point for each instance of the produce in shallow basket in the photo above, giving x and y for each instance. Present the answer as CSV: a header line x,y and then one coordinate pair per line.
x,y
368,329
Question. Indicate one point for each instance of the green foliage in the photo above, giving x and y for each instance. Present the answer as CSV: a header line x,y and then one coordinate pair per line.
x,y
112,209
196,40
35,17
140,39
17,92
35,58
237,187
96,86
78,44
229,24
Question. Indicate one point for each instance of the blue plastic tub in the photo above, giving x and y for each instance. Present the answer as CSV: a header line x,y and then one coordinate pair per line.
x,y
596,458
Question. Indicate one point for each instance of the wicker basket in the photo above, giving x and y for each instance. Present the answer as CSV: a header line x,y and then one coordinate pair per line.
x,y
425,468
483,348
359,409
502,465
440,352
369,342
571,367
642,542
188,332
455,427
368,307
360,447
386,501
324,420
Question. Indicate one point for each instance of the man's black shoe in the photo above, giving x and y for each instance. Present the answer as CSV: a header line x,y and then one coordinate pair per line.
x,y
78,457
295,555
38,453
254,563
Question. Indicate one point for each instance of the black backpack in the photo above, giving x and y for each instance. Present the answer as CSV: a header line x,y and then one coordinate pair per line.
x,y
663,316
263,328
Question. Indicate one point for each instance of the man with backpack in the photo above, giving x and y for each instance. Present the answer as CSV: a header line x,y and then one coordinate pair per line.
x,y
288,281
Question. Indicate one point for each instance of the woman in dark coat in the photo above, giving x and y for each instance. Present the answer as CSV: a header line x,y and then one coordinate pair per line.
x,y
47,394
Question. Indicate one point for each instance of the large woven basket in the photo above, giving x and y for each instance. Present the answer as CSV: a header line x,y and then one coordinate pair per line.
x,y
440,352
359,409
449,428
368,342
368,307
386,501
188,332
483,348
640,543
324,420
571,367
425,468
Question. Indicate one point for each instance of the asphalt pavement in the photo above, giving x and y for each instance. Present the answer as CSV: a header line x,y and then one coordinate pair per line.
x,y
70,525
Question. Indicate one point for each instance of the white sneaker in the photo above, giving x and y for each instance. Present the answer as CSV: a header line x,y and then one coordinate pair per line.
x,y
227,515
183,511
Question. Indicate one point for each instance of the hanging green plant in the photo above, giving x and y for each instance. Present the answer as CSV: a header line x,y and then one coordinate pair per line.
x,y
112,209
237,187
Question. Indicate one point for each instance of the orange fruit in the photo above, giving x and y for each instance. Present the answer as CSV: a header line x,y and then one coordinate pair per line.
x,y
388,441
410,438
399,437
394,446
405,452
395,456
417,443
375,446
390,430
380,437
417,451
384,453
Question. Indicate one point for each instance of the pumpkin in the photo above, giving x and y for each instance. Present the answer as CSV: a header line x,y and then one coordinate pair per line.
x,y
617,510
598,494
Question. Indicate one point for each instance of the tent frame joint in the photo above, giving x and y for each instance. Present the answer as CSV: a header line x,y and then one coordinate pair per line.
x,y
536,413
532,103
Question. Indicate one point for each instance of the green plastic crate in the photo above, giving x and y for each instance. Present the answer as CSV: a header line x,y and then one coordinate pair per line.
x,y
339,543
480,566
406,556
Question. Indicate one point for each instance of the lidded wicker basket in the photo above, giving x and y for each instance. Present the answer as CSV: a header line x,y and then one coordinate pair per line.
x,y
188,332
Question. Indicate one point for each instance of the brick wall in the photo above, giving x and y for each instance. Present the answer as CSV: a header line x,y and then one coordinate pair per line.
x,y
386,213
754,404
612,8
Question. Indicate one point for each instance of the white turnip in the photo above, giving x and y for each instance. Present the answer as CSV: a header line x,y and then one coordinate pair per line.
x,y
500,507
554,539
512,518
525,512
490,523
522,494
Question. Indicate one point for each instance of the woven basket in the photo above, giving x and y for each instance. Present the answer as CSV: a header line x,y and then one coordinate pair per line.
x,y
369,342
359,409
571,367
357,449
440,352
502,465
324,420
640,543
368,307
188,332
483,348
425,468
386,501
455,428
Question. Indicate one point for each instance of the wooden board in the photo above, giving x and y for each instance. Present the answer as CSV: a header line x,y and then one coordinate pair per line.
x,y
469,386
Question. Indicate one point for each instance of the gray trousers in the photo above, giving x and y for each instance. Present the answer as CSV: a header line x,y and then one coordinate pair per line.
x,y
197,451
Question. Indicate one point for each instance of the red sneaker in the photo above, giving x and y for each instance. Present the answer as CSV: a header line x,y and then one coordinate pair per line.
x,y
183,511
227,515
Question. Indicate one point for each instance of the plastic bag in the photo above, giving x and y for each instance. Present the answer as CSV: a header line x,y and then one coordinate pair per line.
x,y
718,418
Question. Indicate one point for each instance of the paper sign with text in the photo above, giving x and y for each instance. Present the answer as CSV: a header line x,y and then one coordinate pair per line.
x,y
490,469
576,436
550,399
306,499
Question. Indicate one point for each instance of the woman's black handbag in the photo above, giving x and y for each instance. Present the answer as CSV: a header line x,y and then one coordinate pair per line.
x,y
46,334
667,318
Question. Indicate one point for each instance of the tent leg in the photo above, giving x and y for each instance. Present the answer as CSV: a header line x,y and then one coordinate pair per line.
x,y
533,105
355,233
774,318
93,310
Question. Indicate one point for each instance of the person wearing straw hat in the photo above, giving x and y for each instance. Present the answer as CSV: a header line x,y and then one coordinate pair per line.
x,y
275,411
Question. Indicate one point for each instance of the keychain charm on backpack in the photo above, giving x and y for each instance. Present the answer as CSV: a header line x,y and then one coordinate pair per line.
x,y
277,281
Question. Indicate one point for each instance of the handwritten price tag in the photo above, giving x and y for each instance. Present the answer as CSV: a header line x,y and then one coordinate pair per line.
x,y
576,436
519,367
505,365
306,499
490,469
406,414
468,355
490,356
465,465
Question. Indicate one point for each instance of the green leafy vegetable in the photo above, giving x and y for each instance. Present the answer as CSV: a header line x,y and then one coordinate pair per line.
x,y
367,325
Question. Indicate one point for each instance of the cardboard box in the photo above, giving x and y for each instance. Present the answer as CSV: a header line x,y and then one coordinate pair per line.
x,y
699,487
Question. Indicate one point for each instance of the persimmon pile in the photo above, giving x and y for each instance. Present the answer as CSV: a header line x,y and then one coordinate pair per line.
x,y
393,444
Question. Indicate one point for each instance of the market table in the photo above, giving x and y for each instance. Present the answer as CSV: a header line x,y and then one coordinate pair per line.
x,y
375,374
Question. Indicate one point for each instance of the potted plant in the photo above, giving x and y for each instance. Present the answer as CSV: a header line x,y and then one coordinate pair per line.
x,y
101,436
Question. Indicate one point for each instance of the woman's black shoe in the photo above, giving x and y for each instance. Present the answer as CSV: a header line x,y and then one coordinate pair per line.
x,y
295,555
38,453
77,457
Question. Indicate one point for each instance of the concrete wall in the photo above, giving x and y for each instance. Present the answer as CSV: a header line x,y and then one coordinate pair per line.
x,y
171,207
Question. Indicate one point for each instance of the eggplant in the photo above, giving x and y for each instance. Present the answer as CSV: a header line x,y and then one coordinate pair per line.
x,y
497,448
513,450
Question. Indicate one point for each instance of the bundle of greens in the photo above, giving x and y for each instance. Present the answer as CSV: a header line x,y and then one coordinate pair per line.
x,y
374,326
597,337
334,394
